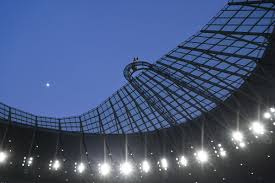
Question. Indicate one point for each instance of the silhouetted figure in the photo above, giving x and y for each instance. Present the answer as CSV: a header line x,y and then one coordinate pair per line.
x,y
134,60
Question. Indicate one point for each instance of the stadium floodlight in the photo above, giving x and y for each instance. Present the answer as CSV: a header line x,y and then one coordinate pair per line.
x,y
223,153
104,169
257,128
145,166
3,157
202,156
126,168
81,168
267,115
30,161
183,161
164,163
56,165
237,136
242,144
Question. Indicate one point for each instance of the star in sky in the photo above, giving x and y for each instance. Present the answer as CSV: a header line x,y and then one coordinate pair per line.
x,y
48,85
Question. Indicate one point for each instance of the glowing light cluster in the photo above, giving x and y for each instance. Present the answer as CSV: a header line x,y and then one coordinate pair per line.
x,y
183,161
54,165
220,152
238,139
145,166
202,156
238,136
269,114
164,163
126,168
257,128
104,169
223,153
80,167
29,161
3,157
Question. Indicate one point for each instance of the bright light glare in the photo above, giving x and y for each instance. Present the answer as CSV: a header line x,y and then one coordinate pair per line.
x,y
56,165
30,160
104,169
183,161
145,166
242,144
237,136
81,168
202,156
164,163
223,153
126,168
257,128
267,115
272,110
3,157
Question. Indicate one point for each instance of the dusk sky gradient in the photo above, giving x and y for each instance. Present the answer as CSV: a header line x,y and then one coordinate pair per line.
x,y
82,46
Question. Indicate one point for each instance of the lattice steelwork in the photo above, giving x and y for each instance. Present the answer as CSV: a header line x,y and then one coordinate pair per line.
x,y
190,80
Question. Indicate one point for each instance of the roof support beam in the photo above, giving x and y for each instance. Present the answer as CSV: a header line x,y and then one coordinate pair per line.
x,y
172,94
198,89
167,115
202,108
153,102
223,80
233,35
129,115
212,53
142,111
261,7
100,122
199,65
129,121
180,83
116,118
205,71
153,112
195,76
237,33
162,99
215,53
251,2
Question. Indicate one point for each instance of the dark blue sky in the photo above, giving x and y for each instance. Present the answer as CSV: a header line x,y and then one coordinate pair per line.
x,y
82,46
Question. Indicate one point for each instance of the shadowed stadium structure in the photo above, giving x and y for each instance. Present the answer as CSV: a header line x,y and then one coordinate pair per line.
x,y
217,80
